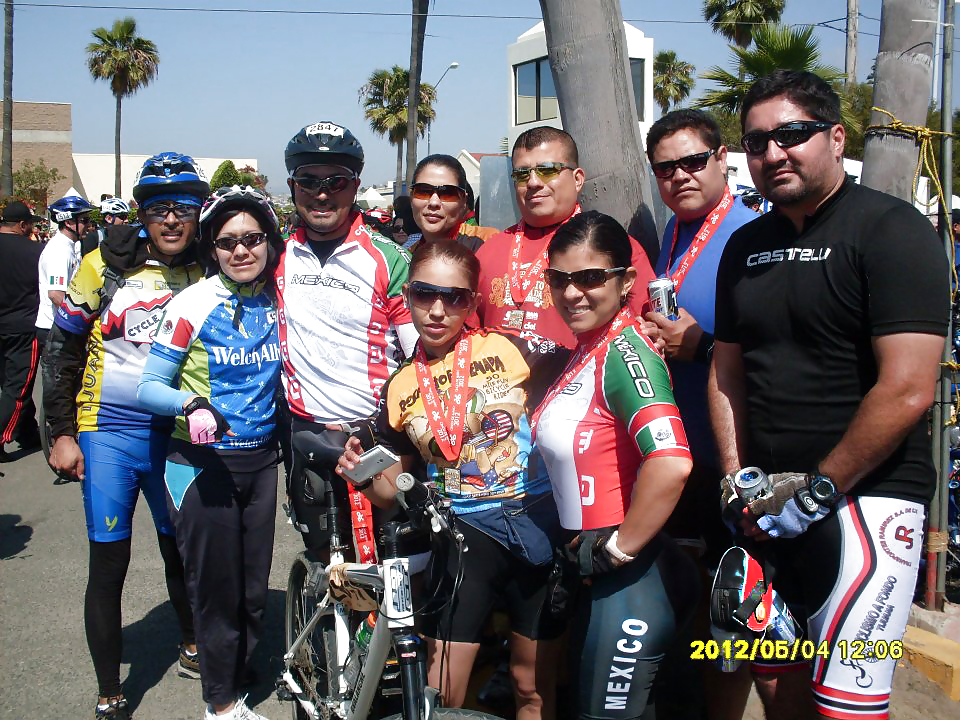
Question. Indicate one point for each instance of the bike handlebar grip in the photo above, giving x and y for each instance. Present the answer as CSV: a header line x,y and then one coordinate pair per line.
x,y
415,493
405,481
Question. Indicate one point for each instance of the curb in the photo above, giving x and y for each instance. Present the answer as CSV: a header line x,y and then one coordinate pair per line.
x,y
930,644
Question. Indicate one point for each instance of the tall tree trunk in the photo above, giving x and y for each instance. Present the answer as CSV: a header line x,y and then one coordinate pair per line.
x,y
588,57
902,87
6,164
399,179
417,34
850,64
116,151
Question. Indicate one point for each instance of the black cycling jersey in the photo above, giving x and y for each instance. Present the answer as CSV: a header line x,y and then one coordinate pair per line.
x,y
805,307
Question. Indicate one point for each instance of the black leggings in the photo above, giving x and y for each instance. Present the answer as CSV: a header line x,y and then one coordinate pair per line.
x,y
101,606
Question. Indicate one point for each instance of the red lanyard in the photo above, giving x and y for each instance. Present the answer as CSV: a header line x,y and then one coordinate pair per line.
x,y
447,427
710,223
579,362
523,280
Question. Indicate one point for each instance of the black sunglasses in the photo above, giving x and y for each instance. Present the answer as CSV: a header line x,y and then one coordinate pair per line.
x,y
688,163
786,136
425,294
249,241
159,212
328,185
446,193
584,279
545,171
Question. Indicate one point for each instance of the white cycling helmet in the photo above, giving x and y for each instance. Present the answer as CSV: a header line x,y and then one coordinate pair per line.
x,y
242,197
114,206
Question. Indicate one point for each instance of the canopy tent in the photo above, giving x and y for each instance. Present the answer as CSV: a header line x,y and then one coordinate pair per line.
x,y
370,198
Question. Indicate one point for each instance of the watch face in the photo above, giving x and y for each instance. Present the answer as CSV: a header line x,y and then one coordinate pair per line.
x,y
823,488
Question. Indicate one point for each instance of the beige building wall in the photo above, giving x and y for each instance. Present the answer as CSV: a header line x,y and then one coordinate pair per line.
x,y
44,131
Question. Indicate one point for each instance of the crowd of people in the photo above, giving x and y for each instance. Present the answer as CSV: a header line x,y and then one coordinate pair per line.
x,y
591,442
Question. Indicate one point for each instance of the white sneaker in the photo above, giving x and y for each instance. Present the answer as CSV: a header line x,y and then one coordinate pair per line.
x,y
240,712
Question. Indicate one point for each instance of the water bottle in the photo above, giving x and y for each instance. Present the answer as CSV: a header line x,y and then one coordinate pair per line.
x,y
361,641
365,632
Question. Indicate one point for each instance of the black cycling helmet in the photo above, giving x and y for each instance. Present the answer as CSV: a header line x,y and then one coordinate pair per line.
x,y
324,143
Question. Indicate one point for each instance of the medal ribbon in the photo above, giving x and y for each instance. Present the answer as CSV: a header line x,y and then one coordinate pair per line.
x,y
579,361
447,427
520,280
710,224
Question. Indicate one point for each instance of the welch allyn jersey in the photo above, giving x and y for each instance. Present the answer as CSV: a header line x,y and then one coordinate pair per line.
x,y
804,308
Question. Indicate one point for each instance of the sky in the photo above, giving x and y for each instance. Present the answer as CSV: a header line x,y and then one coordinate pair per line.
x,y
241,84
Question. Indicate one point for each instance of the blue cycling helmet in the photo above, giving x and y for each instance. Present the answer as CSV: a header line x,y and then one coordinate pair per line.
x,y
170,173
68,208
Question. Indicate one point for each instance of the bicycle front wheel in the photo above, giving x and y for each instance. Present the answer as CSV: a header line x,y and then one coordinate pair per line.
x,y
315,662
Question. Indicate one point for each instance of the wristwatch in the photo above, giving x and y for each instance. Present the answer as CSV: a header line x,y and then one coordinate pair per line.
x,y
823,490
615,552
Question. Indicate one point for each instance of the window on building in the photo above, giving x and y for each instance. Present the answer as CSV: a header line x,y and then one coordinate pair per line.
x,y
636,74
536,95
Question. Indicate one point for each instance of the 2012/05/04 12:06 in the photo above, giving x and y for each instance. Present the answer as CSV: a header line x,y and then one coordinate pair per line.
x,y
799,650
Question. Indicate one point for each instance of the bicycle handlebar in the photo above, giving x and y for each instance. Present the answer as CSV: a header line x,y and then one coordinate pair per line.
x,y
420,502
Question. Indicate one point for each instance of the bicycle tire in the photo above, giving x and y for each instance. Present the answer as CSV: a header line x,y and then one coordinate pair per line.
x,y
453,714
311,666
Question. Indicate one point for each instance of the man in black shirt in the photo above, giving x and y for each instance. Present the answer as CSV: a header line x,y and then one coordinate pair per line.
x,y
830,321
19,301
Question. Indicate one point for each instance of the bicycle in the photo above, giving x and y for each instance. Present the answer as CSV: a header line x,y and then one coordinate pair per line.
x,y
324,674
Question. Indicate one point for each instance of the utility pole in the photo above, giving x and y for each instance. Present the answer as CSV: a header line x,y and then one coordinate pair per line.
x,y
588,58
902,87
850,60
417,34
6,161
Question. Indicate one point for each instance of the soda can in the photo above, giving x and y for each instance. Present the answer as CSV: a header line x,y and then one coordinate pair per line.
x,y
783,627
663,298
726,660
750,482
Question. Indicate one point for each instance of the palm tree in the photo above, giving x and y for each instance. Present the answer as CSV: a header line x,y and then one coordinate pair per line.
x,y
384,100
775,47
738,20
128,62
672,80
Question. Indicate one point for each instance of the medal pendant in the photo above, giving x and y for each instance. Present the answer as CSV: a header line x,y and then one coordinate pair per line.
x,y
514,319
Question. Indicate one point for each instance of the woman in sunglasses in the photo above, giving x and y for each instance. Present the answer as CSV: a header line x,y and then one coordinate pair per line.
x,y
438,198
215,364
617,457
461,406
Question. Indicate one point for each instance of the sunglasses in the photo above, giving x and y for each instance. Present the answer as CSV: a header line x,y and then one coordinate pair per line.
x,y
545,171
159,212
328,185
446,193
785,136
249,241
583,279
425,295
688,163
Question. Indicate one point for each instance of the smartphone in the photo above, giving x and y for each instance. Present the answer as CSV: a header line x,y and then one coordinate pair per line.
x,y
373,461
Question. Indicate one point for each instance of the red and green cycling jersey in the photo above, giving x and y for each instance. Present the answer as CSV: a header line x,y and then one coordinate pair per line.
x,y
596,432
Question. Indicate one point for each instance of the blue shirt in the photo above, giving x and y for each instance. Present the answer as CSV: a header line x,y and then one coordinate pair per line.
x,y
697,296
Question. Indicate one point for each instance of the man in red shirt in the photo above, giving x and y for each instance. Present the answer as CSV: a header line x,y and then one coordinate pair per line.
x,y
513,293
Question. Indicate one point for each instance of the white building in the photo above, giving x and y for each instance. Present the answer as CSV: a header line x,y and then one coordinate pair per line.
x,y
93,174
533,98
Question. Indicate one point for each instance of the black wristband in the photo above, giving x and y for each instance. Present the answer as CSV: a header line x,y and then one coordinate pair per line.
x,y
362,485
704,351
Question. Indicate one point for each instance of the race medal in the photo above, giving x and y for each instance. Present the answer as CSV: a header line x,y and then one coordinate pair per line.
x,y
514,319
451,481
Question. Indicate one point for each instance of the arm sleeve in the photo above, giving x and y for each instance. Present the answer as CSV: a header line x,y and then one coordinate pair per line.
x,y
155,391
81,306
637,390
64,357
907,273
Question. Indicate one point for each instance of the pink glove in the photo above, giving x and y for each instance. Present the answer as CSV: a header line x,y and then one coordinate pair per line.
x,y
205,423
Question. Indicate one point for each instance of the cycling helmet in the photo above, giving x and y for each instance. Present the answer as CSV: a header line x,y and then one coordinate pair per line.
x,y
324,143
175,176
68,208
241,197
114,206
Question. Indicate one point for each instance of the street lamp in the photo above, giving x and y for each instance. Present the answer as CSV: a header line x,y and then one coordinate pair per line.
x,y
452,66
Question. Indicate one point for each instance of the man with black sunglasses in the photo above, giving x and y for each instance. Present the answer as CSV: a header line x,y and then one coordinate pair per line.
x,y
689,162
343,323
831,316
513,293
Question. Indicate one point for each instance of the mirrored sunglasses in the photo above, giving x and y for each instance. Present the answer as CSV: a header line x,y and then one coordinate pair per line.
x,y
785,136
249,241
545,171
160,211
328,185
446,193
583,279
688,163
425,295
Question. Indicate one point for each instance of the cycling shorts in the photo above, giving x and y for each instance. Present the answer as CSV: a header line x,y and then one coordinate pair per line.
x,y
118,465
850,579
626,621
490,572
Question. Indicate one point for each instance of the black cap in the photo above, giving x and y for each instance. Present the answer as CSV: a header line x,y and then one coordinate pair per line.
x,y
955,216
17,211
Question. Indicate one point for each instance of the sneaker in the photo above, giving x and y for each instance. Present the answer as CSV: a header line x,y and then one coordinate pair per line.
x,y
29,439
115,710
240,712
189,666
